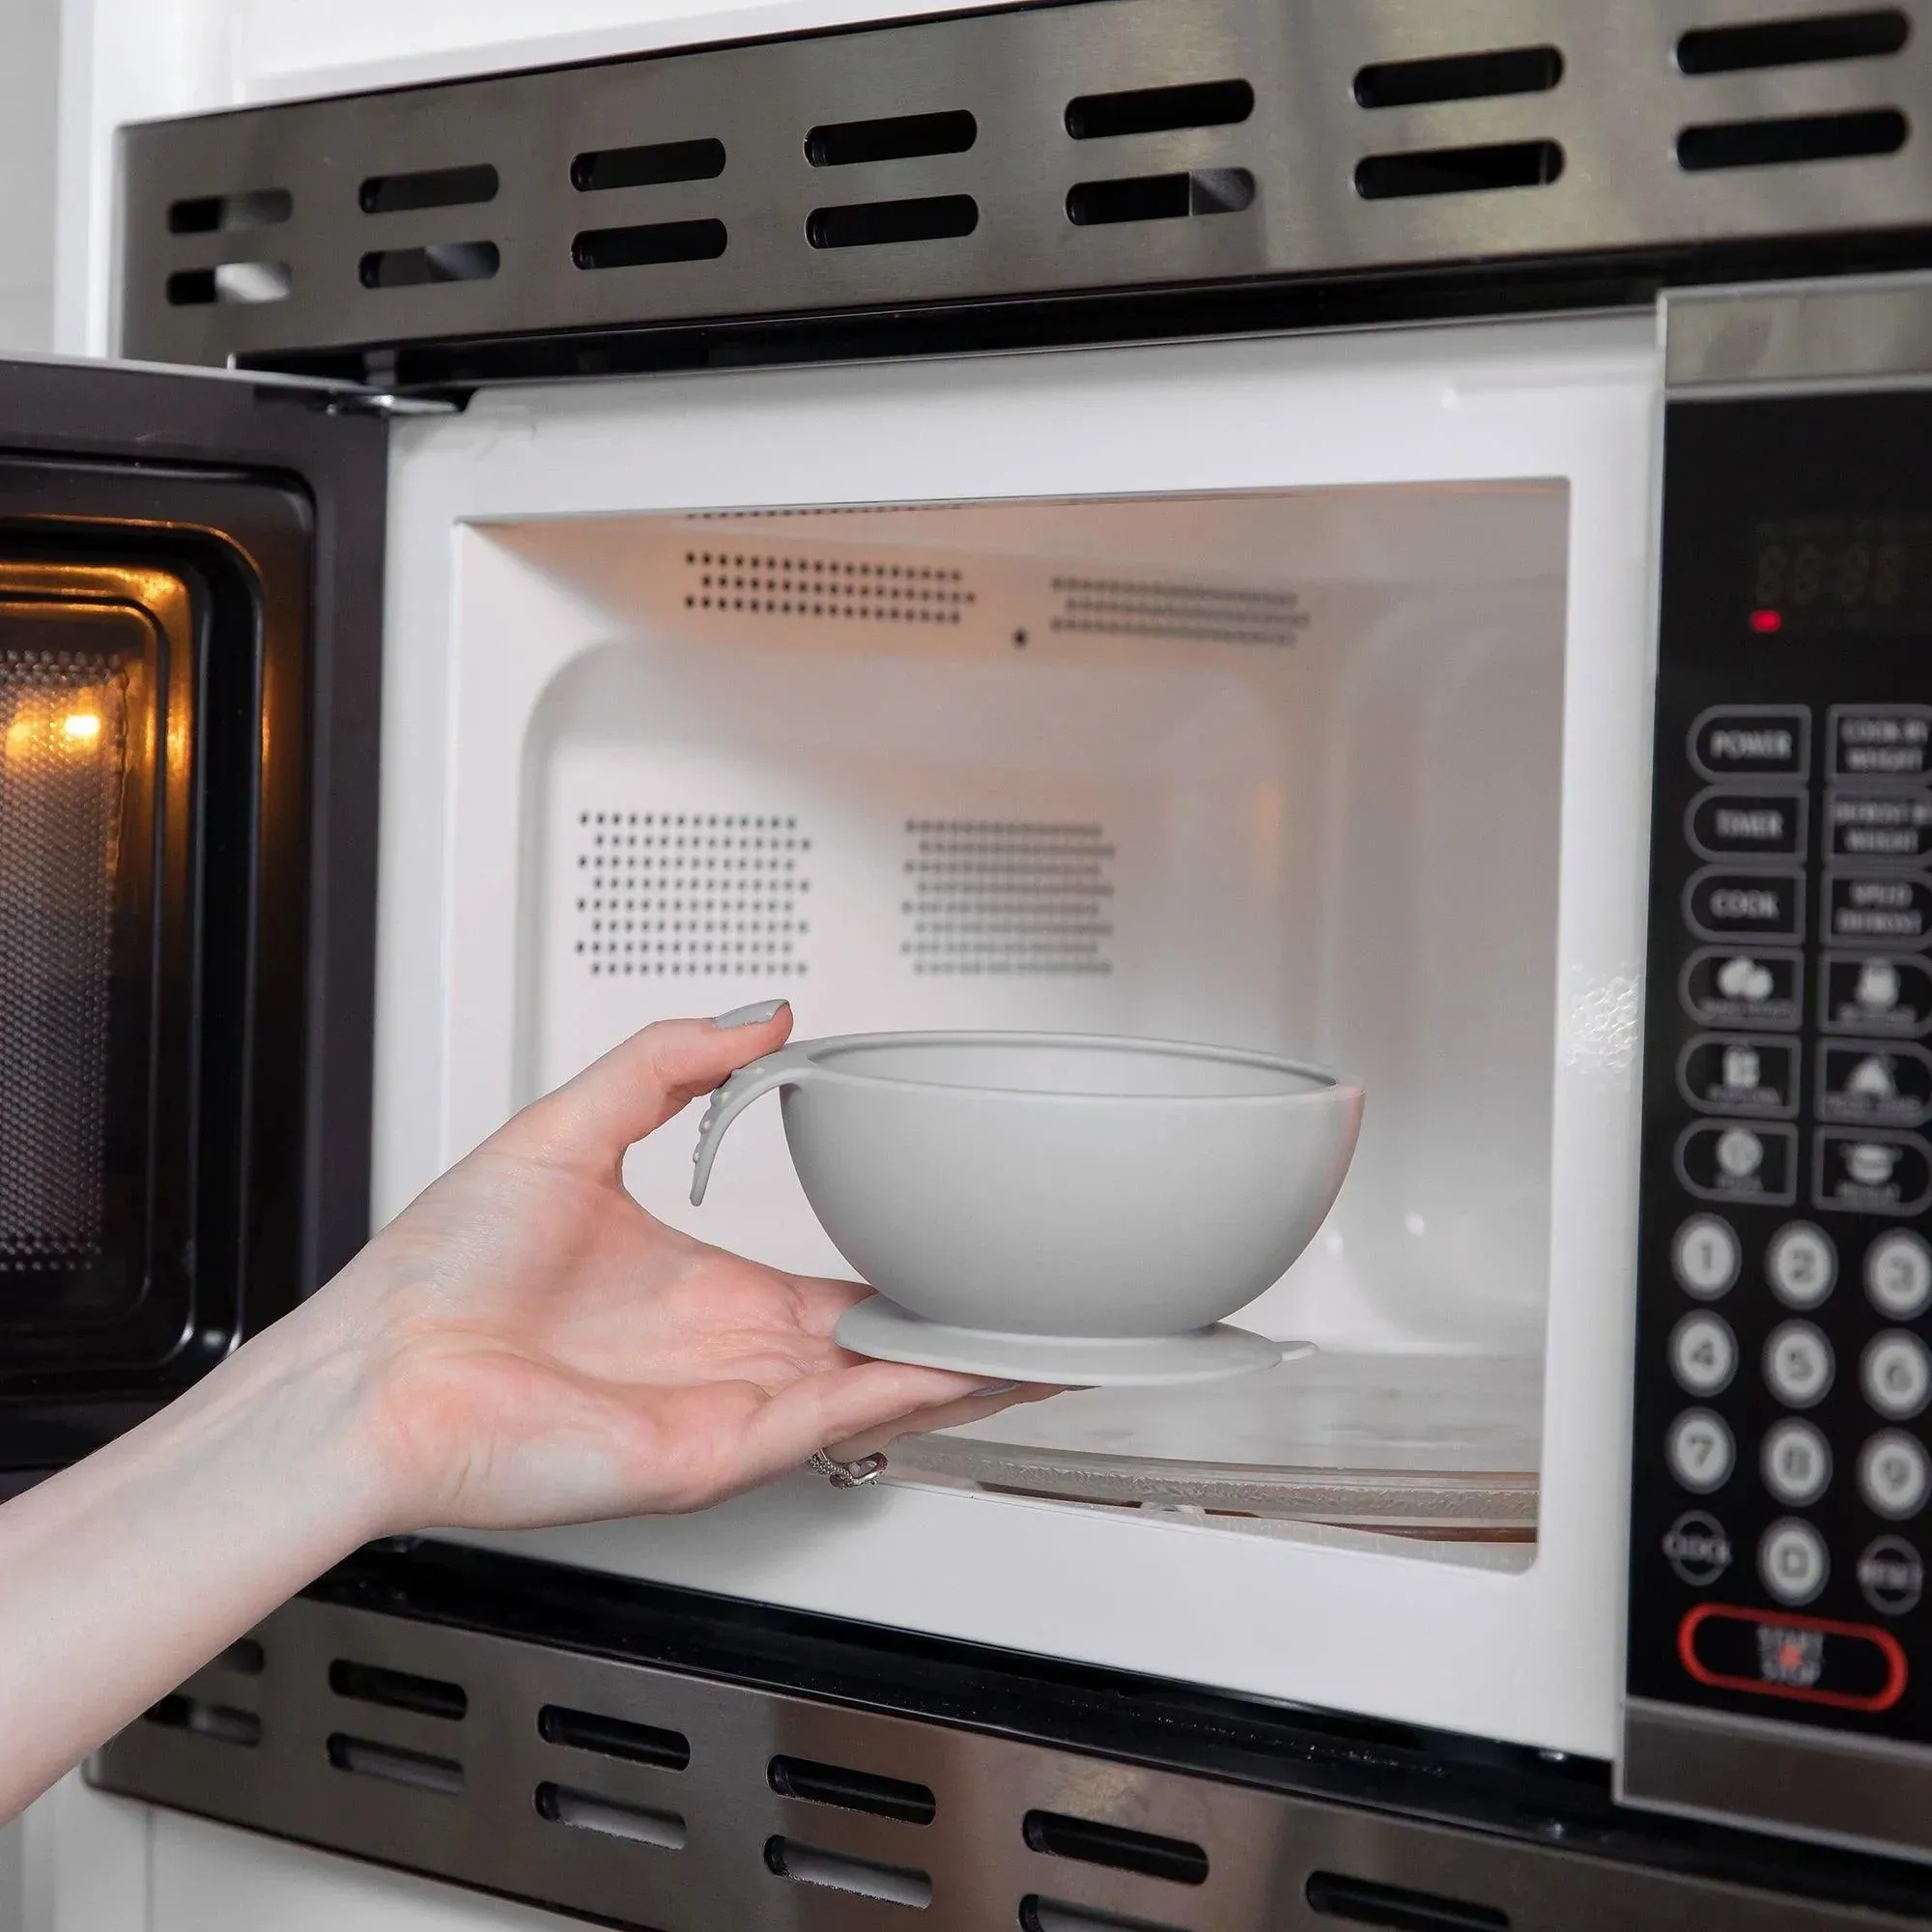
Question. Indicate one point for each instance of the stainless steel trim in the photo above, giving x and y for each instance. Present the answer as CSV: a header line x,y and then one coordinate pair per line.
x,y
1807,335
1615,114
610,1845
1834,1787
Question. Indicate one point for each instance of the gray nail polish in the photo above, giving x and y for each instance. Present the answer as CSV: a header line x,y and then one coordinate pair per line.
x,y
755,1015
999,1388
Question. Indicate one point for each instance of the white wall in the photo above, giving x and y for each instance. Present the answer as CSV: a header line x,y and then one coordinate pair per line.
x,y
29,70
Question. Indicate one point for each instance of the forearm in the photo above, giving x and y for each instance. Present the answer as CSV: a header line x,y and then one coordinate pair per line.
x,y
124,1574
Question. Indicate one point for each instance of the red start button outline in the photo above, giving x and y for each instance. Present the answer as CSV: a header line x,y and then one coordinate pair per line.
x,y
1889,1647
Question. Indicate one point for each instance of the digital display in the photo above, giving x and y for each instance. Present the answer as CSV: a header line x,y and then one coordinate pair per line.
x,y
1842,576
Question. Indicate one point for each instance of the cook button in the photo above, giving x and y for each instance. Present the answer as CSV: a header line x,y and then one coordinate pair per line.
x,y
1781,1653
1723,904
1899,1276
1700,1451
1731,824
1703,1353
1881,741
1892,1575
1739,1161
1896,1375
1738,1074
1696,1546
1871,1173
1792,1561
1876,994
1755,741
1705,1256
1893,826
1880,1082
1798,1364
1796,1464
1801,1264
1877,909
1893,1475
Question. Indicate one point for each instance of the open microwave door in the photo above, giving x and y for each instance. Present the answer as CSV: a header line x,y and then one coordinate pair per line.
x,y
189,647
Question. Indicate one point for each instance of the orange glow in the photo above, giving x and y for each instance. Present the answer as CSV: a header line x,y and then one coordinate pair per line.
x,y
82,727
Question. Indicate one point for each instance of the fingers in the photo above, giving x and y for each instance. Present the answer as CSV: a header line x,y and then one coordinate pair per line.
x,y
845,1404
592,1120
948,1415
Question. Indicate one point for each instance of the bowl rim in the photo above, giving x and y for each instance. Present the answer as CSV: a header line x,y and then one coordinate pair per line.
x,y
1328,1085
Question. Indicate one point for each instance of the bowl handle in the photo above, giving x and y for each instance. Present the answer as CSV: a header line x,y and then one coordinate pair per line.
x,y
785,1067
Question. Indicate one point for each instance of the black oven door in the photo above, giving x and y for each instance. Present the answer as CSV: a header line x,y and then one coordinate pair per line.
x,y
189,619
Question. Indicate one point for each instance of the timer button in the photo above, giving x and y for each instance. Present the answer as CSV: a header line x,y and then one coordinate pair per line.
x,y
1893,1474
1752,741
1729,824
1899,1276
1879,741
1797,1363
1801,1264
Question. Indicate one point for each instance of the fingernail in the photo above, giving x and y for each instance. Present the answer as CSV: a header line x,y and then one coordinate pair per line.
x,y
998,1388
757,1016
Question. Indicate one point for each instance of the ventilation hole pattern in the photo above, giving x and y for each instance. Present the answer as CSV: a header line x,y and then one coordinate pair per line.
x,y
1198,612
1006,896
802,586
63,729
690,893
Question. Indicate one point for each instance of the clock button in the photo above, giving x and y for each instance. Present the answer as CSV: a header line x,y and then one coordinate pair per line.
x,y
1700,1451
1696,1546
1899,1276
1705,1256
1793,1562
1796,1464
1801,1264
1896,1375
1893,1474
1892,1575
1703,1353
1797,1364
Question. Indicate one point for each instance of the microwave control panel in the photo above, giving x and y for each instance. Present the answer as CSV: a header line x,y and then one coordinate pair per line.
x,y
1781,1514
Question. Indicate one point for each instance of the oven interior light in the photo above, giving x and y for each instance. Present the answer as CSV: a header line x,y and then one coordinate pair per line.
x,y
82,727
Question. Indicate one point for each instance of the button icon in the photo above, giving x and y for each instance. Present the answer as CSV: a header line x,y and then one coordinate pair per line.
x,y
1874,1083
1879,826
1877,909
1700,1451
1792,1561
1782,1653
1739,1161
1801,1264
1796,1464
1876,994
1705,1257
1872,1173
1896,1375
1752,741
1892,1575
1703,1353
1879,741
1899,1276
1696,1546
1738,1073
1894,1477
1746,988
1722,904
1727,824
1797,1365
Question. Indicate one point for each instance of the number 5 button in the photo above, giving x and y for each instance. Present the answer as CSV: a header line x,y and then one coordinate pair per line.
x,y
1896,1375
1798,1364
1703,1353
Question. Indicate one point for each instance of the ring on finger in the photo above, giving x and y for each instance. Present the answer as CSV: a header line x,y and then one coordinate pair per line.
x,y
848,1475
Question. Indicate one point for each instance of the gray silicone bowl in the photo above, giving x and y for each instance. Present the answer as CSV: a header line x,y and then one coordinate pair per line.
x,y
1056,1184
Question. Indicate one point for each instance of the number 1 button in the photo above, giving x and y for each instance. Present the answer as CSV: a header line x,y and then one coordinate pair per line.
x,y
1704,1257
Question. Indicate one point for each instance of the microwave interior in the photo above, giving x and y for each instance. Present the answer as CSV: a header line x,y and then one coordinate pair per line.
x,y
1276,769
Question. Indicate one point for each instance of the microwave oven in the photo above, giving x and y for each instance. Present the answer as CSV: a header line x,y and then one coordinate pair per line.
x,y
1403,540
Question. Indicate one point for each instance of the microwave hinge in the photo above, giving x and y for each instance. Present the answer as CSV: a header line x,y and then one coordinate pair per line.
x,y
387,403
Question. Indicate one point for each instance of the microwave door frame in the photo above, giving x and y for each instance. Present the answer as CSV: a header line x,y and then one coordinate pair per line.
x,y
285,481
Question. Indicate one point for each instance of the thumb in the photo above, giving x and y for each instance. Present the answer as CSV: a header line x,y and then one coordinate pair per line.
x,y
590,1121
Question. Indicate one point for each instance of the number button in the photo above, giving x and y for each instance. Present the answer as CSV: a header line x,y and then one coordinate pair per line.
x,y
1705,1256
1793,1561
1803,1265
1703,1353
1700,1451
1798,1364
1899,1276
1893,1474
1896,1375
1796,1464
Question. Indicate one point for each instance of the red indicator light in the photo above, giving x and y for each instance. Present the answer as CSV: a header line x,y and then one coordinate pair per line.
x,y
1766,621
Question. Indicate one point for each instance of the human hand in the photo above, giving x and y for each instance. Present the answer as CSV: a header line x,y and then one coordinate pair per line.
x,y
536,1349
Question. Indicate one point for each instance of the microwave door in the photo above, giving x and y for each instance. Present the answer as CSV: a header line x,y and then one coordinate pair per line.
x,y
190,573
